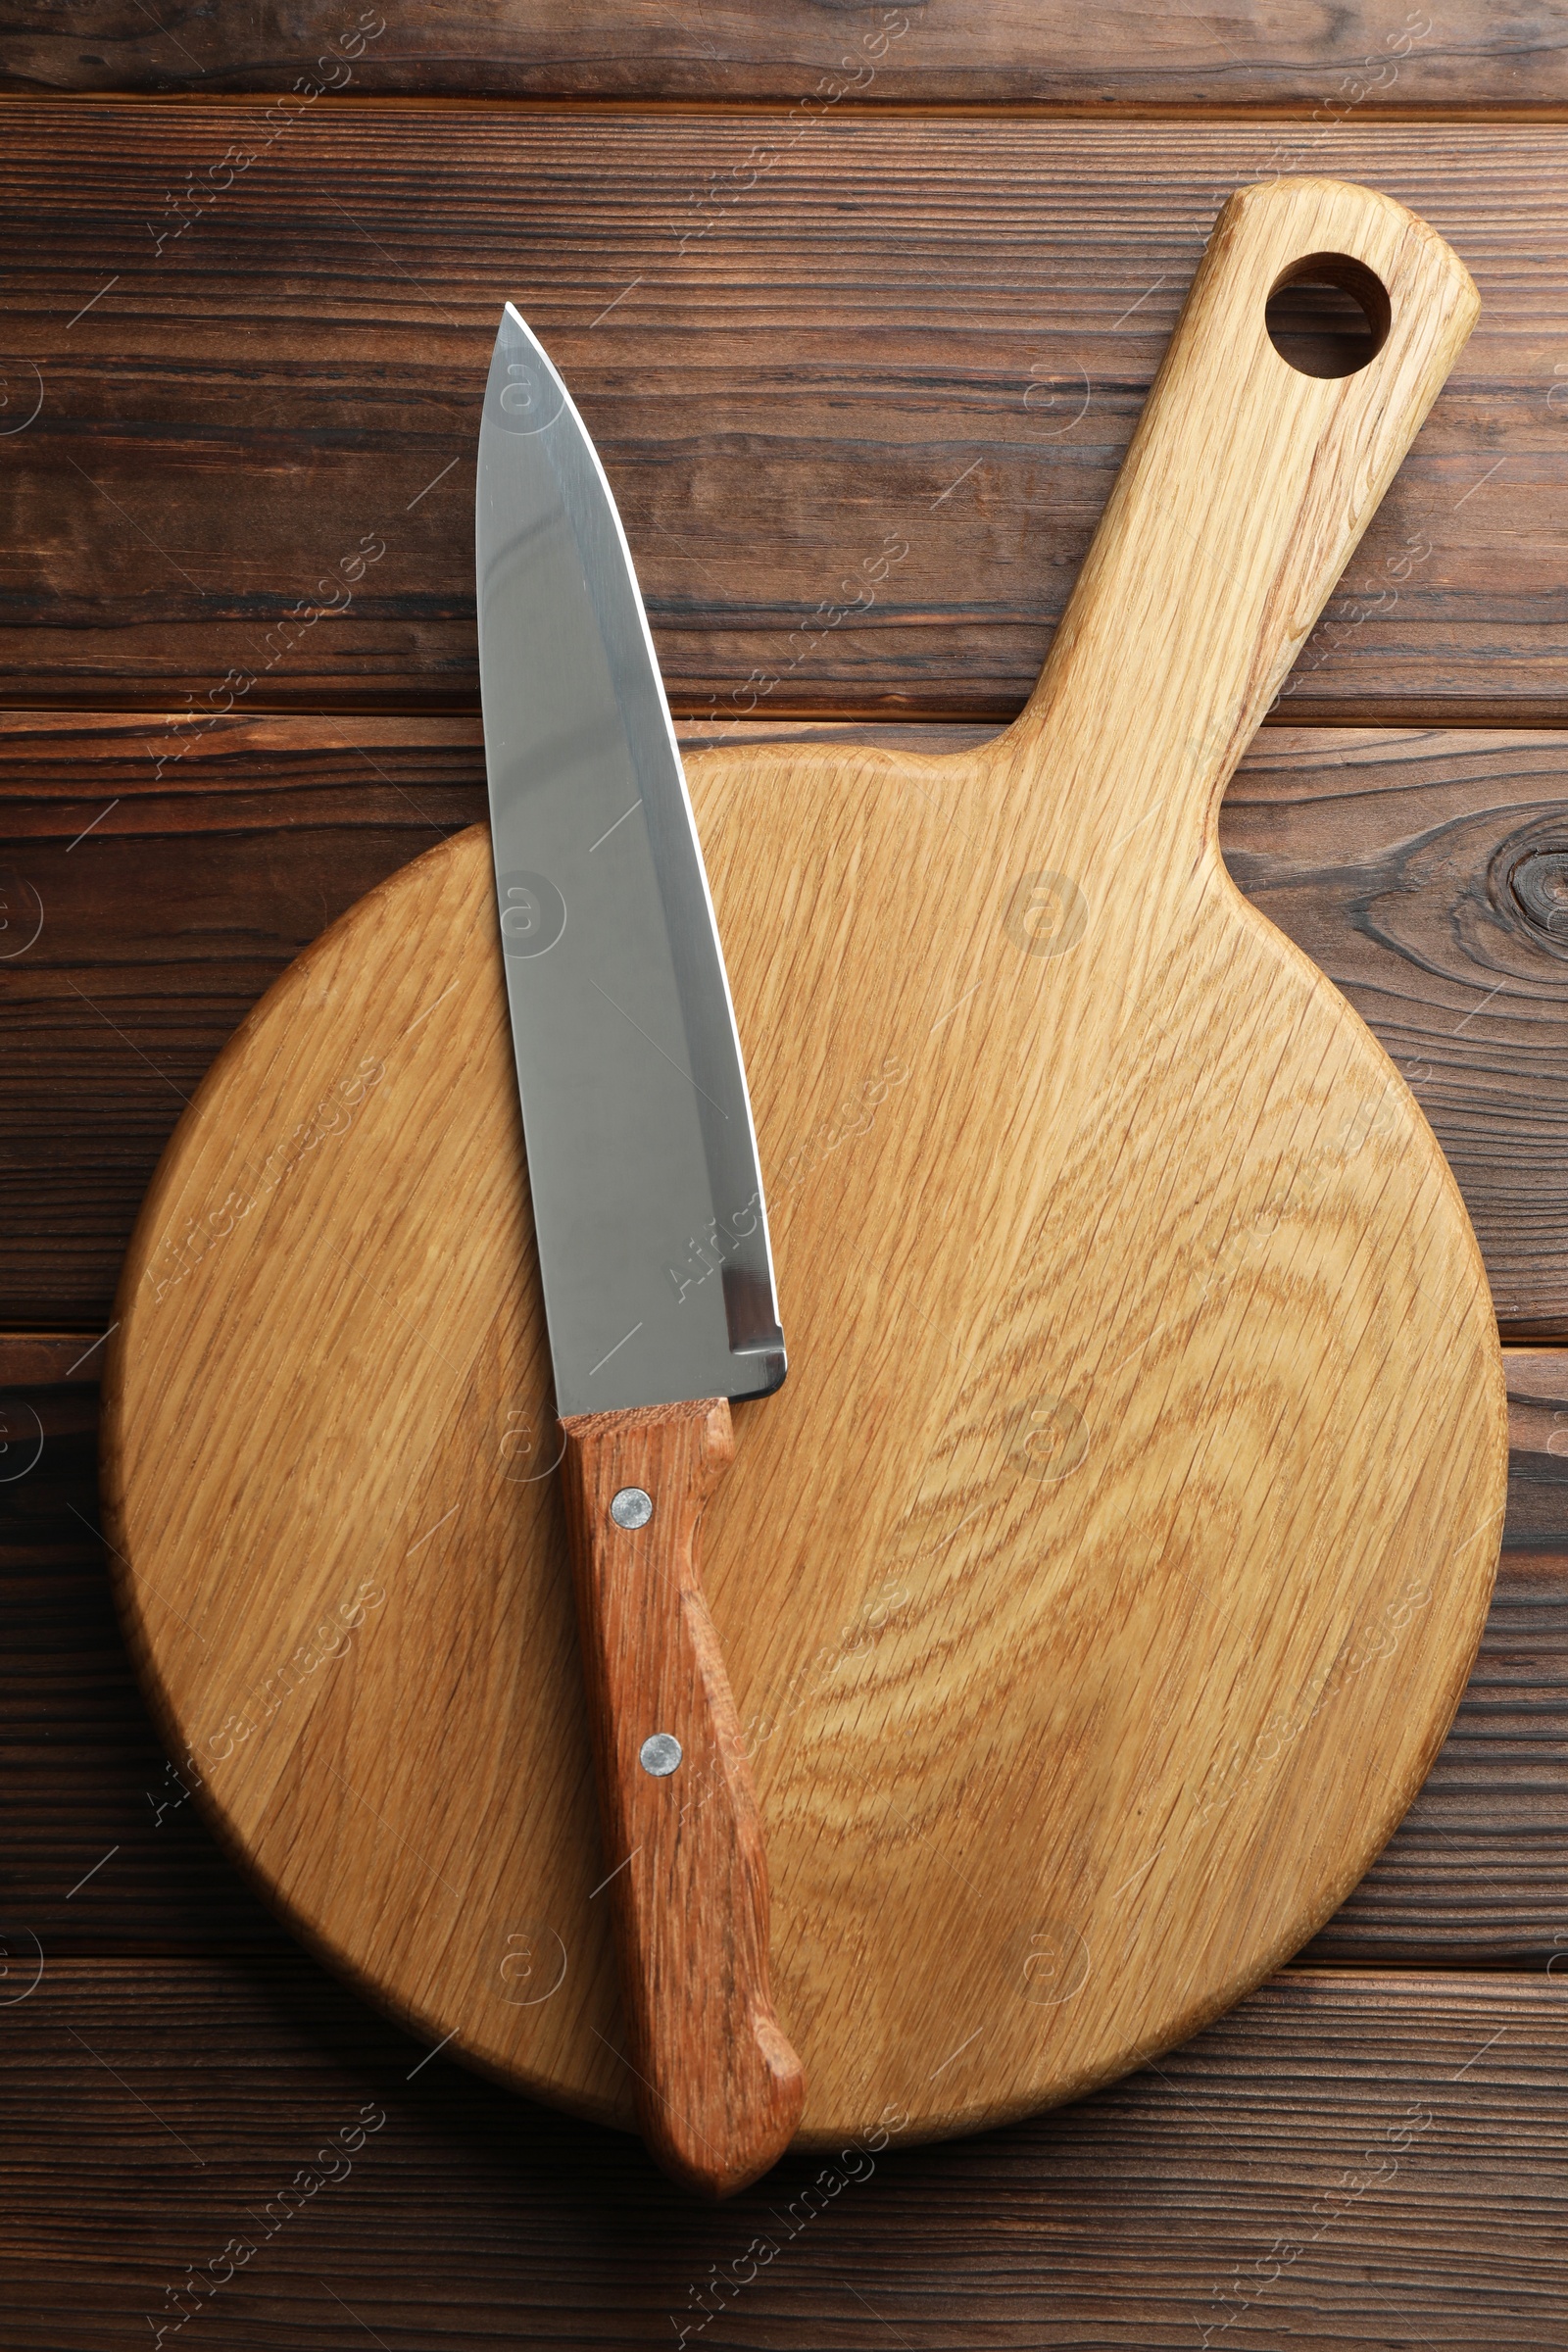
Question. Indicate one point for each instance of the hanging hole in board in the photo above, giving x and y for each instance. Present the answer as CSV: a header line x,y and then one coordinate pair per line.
x,y
1328,314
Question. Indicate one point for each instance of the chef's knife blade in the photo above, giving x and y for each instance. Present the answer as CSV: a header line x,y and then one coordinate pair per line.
x,y
646,1196
653,1248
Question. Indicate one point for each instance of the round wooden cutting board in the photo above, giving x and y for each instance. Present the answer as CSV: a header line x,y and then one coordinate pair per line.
x,y
1099,1584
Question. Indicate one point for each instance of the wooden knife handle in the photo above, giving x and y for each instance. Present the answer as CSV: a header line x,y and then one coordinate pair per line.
x,y
718,2088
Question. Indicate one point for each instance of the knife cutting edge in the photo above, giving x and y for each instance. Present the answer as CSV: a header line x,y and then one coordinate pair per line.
x,y
654,1250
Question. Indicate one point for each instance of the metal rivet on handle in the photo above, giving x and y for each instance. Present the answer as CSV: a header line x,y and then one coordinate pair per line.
x,y
660,1753
632,1507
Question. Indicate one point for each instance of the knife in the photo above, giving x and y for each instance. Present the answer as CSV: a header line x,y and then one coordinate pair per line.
x,y
654,1250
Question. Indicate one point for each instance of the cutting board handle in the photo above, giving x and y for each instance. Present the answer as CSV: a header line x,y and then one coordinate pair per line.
x,y
719,2089
1245,491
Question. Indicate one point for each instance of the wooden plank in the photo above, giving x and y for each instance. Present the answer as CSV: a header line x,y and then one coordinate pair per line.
x,y
1422,872
1474,1875
1429,874
1538,1447
105,1853
103,1849
208,891
1057,55
914,333
1341,2163
49,1359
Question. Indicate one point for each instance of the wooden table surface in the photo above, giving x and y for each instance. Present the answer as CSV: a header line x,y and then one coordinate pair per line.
x,y
814,274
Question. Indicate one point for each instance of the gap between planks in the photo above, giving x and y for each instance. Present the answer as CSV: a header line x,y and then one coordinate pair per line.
x,y
1129,114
